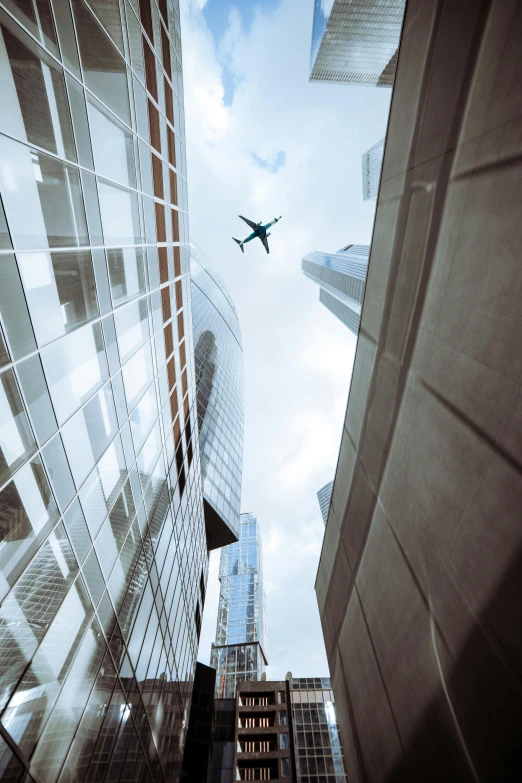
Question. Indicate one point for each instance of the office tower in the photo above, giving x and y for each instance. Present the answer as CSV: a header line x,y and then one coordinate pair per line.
x,y
218,357
103,557
240,650
371,171
198,746
341,277
317,744
324,496
419,579
355,43
264,747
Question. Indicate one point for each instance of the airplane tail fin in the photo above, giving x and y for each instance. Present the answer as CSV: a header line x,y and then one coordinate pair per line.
x,y
240,243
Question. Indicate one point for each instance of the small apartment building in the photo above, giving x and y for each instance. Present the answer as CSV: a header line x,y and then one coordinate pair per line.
x,y
264,736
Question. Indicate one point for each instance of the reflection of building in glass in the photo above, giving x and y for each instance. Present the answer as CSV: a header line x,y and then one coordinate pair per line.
x,y
324,496
371,170
341,276
316,734
219,383
355,43
103,555
240,651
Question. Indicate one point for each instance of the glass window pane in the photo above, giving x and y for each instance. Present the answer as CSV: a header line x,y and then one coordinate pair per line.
x,y
5,239
75,366
40,25
92,207
60,291
119,214
37,399
143,417
79,118
76,527
93,577
132,327
13,309
127,273
33,96
103,486
59,472
136,48
89,432
104,69
137,375
62,14
29,513
42,199
16,438
36,694
10,768
108,13
115,529
113,145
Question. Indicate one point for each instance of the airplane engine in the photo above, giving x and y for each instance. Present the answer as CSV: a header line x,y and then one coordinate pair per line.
x,y
268,235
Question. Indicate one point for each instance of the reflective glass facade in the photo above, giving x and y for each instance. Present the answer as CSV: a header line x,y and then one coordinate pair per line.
x,y
316,735
240,651
342,278
218,357
103,556
371,171
356,43
324,496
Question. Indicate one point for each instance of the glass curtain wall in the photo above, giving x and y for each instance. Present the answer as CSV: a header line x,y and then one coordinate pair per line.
x,y
316,734
219,383
103,557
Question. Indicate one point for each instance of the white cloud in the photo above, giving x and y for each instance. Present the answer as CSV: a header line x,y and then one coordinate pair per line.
x,y
298,357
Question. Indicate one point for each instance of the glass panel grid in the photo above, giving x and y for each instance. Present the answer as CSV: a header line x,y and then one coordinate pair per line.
x,y
111,506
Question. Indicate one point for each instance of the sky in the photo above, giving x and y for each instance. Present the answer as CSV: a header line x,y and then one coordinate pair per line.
x,y
262,142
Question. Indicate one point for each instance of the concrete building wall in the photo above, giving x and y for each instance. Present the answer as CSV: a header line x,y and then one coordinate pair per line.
x,y
420,574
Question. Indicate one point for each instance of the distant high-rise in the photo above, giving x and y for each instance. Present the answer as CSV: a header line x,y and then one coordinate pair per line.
x,y
324,496
219,382
240,649
371,170
317,743
341,277
355,43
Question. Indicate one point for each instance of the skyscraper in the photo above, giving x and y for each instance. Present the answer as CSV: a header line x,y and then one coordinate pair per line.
x,y
317,743
355,43
219,383
341,277
324,496
103,555
240,651
371,170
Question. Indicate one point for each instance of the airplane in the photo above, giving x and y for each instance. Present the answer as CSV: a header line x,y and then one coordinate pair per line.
x,y
259,230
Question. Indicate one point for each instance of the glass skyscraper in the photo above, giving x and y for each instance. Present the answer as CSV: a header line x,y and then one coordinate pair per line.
x,y
220,394
324,496
103,552
318,752
341,277
356,43
371,170
240,651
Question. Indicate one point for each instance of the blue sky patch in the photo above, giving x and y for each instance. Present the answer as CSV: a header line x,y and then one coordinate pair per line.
x,y
272,164
216,14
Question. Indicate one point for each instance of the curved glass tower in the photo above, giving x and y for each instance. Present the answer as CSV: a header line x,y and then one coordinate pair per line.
x,y
103,556
241,649
219,388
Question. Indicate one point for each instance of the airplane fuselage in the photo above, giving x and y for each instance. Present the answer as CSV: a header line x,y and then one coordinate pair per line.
x,y
260,231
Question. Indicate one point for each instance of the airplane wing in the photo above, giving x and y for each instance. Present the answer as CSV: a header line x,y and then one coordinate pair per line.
x,y
264,240
249,222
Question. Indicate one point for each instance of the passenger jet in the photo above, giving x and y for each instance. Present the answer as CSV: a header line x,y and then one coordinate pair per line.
x,y
259,230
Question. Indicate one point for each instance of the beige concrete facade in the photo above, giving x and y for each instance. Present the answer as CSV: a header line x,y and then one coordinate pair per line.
x,y
419,584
